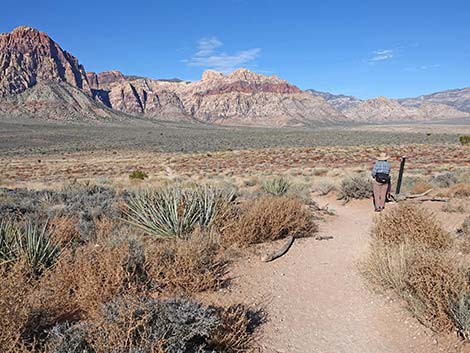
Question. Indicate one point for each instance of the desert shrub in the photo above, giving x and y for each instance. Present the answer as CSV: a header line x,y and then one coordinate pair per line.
x,y
410,223
138,175
421,187
388,265
69,338
323,188
355,187
185,265
236,331
434,284
464,229
136,324
409,181
460,312
463,233
175,211
444,180
276,186
464,140
85,278
85,202
453,206
14,306
460,190
269,218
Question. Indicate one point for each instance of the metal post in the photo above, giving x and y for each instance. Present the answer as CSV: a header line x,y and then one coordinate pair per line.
x,y
400,174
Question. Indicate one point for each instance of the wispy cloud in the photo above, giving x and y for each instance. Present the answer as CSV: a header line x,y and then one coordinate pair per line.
x,y
381,55
423,67
209,56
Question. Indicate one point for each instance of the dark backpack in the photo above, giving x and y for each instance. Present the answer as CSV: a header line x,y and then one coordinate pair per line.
x,y
382,178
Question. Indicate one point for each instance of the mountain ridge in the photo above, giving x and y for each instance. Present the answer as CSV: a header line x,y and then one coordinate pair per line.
x,y
39,78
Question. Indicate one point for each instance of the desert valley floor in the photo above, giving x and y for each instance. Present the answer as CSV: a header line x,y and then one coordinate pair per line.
x,y
315,298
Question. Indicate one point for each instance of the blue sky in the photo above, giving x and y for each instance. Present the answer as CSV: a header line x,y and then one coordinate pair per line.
x,y
364,48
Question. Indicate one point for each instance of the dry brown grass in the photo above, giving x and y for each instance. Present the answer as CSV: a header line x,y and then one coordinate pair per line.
x,y
421,187
388,265
434,284
14,305
461,190
185,266
411,254
410,223
269,218
81,281
64,229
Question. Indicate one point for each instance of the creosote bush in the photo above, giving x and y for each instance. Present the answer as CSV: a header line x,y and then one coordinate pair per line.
x,y
269,218
355,187
138,175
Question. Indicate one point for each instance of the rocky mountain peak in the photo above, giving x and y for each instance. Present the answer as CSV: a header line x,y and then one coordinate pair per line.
x,y
28,56
210,75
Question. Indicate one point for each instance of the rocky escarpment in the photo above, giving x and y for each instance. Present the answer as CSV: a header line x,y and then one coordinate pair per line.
x,y
338,101
28,57
455,98
382,109
239,98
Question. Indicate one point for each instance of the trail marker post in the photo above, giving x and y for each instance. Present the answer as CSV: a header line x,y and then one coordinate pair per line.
x,y
400,174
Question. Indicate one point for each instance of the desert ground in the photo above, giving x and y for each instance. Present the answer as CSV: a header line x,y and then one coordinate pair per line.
x,y
319,296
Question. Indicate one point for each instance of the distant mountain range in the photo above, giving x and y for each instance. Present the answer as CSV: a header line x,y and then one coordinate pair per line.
x,y
39,79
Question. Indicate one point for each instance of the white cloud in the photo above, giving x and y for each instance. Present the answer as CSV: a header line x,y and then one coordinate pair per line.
x,y
209,57
381,55
206,46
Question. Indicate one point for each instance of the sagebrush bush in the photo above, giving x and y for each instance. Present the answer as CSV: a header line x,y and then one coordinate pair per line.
x,y
323,188
276,186
444,180
174,212
460,311
88,203
355,187
269,218
410,223
140,324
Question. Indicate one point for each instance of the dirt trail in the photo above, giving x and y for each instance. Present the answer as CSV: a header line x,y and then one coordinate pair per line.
x,y
318,301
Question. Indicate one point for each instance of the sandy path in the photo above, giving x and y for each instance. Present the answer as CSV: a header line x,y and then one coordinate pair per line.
x,y
318,302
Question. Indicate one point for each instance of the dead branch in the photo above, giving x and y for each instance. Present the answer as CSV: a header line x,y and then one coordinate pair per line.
x,y
276,254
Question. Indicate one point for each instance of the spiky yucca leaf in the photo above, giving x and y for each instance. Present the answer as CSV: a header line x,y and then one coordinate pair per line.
x,y
175,211
38,247
30,242
276,186
9,235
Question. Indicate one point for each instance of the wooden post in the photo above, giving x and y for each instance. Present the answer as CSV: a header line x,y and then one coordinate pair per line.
x,y
400,174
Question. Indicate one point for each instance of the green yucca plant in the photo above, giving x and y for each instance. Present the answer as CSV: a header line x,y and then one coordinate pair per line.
x,y
277,186
9,235
30,242
38,247
175,211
